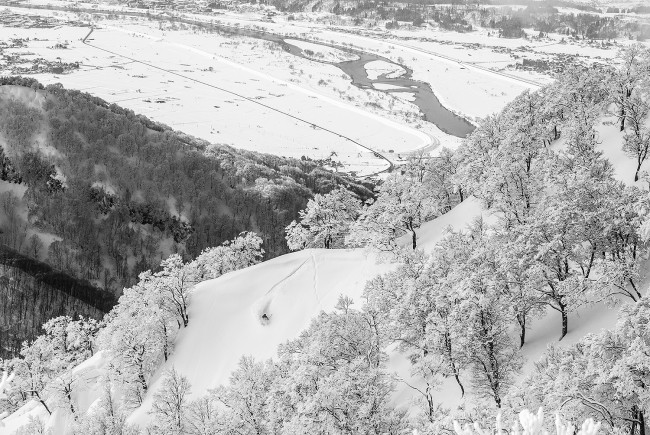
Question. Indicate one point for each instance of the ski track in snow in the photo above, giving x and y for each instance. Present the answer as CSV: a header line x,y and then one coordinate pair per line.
x,y
315,276
264,304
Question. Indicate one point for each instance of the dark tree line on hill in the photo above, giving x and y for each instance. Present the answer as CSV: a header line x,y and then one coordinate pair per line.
x,y
32,292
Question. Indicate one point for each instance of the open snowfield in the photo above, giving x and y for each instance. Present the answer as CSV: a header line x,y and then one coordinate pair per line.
x,y
217,87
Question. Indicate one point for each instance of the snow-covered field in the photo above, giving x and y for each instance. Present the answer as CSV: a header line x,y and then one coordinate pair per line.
x,y
251,94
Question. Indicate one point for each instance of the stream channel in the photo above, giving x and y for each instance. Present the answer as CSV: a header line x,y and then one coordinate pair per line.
x,y
430,107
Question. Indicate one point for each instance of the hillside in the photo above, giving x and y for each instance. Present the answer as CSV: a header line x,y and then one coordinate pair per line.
x,y
101,194
32,291
226,313
507,273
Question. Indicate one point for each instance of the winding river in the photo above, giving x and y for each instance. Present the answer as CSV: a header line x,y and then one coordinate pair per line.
x,y
430,107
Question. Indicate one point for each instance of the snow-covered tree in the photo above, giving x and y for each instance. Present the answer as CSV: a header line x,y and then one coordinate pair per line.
x,y
203,416
106,417
325,221
332,380
503,160
5,387
173,286
604,376
636,140
170,406
138,336
440,179
247,399
64,344
529,424
416,310
243,251
626,78
402,205
484,334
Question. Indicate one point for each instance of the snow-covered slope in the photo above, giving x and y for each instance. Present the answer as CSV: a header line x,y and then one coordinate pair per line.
x,y
226,313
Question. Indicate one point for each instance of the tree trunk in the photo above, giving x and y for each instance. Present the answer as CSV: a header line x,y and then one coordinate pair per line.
x,y
633,421
521,319
565,320
641,423
462,389
414,238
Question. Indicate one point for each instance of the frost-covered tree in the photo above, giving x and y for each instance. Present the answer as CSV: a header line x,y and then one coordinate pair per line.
x,y
173,286
247,399
529,424
329,380
5,387
402,206
484,334
106,417
243,251
604,376
203,416
170,405
325,221
138,336
636,140
625,79
440,179
64,344
332,378
503,160
416,310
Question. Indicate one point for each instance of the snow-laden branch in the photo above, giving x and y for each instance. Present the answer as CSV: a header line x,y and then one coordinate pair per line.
x,y
5,384
529,424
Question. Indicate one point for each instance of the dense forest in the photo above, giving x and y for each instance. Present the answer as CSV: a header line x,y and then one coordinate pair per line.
x,y
101,194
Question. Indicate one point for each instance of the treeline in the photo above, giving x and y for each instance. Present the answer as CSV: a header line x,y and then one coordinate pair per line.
x,y
136,336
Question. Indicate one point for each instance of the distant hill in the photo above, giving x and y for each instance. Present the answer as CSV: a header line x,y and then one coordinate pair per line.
x,y
100,194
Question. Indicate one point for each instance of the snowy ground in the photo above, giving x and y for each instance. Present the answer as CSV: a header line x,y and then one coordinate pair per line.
x,y
177,84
